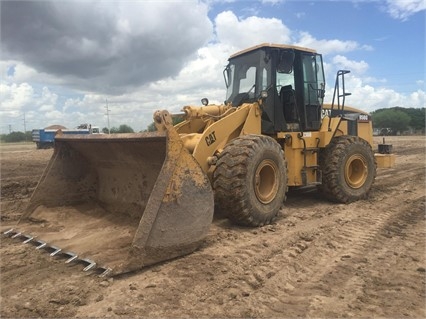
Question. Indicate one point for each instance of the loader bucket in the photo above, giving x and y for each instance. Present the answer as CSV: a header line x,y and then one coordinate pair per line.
x,y
119,202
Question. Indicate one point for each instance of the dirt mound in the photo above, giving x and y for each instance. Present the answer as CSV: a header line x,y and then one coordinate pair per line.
x,y
55,127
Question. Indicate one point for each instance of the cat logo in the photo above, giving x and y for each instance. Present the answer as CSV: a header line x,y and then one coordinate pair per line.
x,y
325,112
211,138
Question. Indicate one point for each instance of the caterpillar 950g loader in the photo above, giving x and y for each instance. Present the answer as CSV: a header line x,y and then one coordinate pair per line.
x,y
123,201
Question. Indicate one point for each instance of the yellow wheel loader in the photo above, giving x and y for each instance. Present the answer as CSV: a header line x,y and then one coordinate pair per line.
x,y
119,202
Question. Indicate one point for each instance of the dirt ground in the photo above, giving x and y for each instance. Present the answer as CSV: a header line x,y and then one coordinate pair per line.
x,y
319,259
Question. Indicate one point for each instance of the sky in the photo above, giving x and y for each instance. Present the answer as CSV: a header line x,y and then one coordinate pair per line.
x,y
99,62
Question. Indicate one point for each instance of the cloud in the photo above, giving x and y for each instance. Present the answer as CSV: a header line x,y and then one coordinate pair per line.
x,y
242,33
358,67
369,98
300,15
271,2
15,97
47,101
104,46
329,46
403,9
367,93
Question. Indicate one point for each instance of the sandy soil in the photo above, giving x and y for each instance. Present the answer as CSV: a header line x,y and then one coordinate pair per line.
x,y
320,259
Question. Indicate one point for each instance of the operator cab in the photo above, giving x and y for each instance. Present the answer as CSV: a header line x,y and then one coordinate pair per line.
x,y
292,78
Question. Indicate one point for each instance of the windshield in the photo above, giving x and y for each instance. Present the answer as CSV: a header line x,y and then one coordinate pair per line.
x,y
246,76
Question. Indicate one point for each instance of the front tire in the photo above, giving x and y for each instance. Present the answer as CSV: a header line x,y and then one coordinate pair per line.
x,y
348,169
250,180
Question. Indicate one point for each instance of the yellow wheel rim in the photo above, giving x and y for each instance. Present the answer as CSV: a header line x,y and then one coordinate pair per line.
x,y
356,171
266,181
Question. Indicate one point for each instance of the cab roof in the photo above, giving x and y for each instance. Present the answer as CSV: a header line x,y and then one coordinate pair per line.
x,y
271,45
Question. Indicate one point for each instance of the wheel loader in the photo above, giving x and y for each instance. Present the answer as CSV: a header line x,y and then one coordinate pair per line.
x,y
116,203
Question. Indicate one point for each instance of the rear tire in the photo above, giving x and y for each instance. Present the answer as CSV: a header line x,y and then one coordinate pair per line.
x,y
250,180
348,169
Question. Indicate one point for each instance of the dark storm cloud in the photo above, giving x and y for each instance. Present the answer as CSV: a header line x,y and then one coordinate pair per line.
x,y
103,46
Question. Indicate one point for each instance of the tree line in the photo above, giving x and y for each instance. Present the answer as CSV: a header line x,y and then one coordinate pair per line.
x,y
14,137
123,128
392,121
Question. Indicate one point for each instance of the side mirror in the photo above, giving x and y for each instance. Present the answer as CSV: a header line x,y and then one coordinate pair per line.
x,y
205,101
262,97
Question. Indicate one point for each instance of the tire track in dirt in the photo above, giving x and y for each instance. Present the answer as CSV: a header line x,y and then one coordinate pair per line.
x,y
313,271
363,234
367,263
327,276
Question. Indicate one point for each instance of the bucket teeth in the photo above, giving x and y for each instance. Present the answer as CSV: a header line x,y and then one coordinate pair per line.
x,y
16,235
91,264
106,272
71,258
29,238
41,245
56,251
7,232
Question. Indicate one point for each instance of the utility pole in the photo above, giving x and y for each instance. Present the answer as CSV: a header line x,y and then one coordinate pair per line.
x,y
25,124
107,114
25,127
10,128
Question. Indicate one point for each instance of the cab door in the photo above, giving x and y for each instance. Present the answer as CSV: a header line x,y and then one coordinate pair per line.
x,y
313,91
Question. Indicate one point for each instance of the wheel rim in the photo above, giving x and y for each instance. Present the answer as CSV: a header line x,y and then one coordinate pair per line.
x,y
356,171
266,181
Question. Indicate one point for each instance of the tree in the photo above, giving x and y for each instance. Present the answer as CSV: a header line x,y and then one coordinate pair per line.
x,y
14,137
123,128
394,119
176,120
417,117
417,121
151,127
